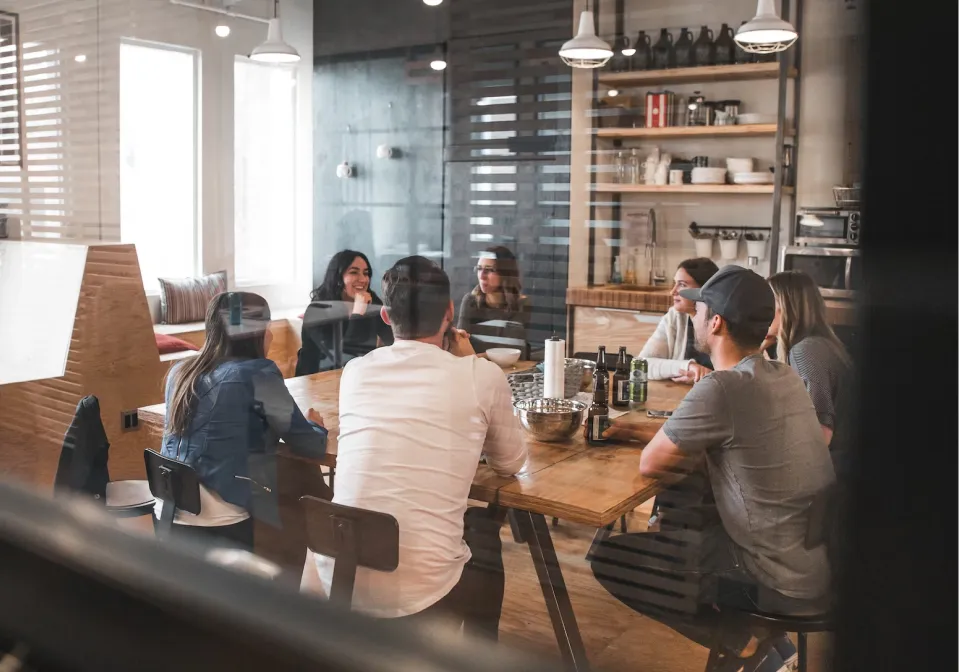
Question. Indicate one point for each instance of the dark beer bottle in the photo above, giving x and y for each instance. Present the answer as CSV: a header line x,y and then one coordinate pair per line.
x,y
621,380
597,417
601,367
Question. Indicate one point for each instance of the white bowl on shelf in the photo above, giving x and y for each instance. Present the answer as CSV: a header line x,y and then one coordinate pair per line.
x,y
505,357
755,118
752,178
739,165
703,175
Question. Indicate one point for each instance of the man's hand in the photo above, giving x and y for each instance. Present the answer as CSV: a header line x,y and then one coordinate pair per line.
x,y
360,302
313,416
642,431
460,343
693,374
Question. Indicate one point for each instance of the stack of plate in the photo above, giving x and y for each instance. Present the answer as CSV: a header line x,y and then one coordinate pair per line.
x,y
709,175
751,178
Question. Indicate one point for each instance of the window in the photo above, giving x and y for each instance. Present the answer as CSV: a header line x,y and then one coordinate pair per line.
x,y
158,158
264,194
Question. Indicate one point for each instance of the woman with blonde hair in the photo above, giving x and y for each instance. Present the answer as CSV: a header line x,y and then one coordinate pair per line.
x,y
806,342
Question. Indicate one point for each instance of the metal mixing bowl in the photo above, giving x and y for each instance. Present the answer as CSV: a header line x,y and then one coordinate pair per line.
x,y
550,419
588,368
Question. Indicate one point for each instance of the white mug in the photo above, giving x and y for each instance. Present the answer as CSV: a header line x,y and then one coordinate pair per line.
x,y
675,177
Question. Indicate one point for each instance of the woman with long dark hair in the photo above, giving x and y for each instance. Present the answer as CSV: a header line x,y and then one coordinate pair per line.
x,y
498,295
671,351
347,285
227,408
806,342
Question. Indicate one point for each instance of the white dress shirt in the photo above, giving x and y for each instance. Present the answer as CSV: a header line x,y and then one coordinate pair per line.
x,y
414,421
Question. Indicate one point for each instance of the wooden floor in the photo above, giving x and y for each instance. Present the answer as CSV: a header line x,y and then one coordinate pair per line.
x,y
616,637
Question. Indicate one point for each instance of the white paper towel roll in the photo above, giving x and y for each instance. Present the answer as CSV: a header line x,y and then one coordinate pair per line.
x,y
554,369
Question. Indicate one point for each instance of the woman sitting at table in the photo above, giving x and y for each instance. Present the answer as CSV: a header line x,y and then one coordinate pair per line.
x,y
347,280
227,407
497,296
671,351
809,345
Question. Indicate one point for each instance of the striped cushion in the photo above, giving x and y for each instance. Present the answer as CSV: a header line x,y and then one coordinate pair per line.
x,y
186,299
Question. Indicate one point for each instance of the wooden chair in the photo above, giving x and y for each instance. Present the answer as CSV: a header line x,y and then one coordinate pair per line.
x,y
819,531
353,538
175,484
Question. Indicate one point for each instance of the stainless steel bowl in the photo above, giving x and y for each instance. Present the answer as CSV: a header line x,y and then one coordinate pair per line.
x,y
550,419
588,368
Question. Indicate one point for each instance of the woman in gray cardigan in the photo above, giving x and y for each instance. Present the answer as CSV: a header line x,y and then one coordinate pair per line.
x,y
497,296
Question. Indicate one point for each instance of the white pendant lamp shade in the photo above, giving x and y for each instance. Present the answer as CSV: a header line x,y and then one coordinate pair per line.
x,y
275,50
766,33
586,50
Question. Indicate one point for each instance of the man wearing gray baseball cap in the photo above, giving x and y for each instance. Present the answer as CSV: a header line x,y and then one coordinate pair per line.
x,y
751,426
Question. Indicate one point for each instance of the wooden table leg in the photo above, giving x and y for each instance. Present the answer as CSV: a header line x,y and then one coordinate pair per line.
x,y
534,530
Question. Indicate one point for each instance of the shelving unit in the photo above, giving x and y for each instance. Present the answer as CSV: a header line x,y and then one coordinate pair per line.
x,y
782,72
613,188
674,132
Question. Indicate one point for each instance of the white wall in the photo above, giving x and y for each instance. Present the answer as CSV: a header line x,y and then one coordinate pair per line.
x,y
89,112
828,137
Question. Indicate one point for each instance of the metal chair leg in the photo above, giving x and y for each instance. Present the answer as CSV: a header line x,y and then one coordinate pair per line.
x,y
622,524
801,651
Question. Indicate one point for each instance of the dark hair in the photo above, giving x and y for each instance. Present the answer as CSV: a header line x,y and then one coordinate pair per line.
x,y
699,269
223,341
332,287
508,271
416,293
746,336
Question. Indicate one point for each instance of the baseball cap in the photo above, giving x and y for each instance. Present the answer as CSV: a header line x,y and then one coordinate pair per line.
x,y
738,294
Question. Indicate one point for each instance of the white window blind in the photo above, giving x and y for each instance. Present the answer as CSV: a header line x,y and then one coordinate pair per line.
x,y
264,154
158,158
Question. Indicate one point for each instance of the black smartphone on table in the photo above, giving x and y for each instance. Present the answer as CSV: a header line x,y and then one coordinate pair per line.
x,y
658,414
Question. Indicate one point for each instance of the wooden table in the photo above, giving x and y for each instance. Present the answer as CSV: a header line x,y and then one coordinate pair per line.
x,y
570,480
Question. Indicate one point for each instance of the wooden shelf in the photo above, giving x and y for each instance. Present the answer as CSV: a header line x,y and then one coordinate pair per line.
x,y
705,73
690,131
612,188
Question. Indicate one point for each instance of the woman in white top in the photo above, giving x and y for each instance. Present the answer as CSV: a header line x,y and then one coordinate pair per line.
x,y
671,351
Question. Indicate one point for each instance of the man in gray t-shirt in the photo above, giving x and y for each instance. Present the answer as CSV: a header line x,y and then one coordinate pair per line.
x,y
751,425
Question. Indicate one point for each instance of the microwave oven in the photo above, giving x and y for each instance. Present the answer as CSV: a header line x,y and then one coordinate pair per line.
x,y
837,271
828,226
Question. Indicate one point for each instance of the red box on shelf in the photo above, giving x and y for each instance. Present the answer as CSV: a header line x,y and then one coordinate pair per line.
x,y
659,108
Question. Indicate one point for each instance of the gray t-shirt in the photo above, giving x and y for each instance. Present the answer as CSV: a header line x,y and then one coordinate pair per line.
x,y
767,460
825,370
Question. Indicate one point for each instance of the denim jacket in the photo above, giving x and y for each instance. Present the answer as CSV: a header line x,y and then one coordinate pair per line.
x,y
243,408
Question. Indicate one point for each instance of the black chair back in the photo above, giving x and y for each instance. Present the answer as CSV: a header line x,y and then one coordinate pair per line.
x,y
173,482
353,538
822,514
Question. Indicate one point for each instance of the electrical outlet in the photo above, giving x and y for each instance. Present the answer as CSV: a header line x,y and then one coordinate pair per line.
x,y
129,421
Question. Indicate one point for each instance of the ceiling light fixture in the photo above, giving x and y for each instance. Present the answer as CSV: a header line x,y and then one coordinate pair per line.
x,y
623,46
766,33
586,50
80,58
222,30
612,93
433,3
438,64
275,50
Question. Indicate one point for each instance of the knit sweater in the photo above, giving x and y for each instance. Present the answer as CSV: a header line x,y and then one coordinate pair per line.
x,y
665,351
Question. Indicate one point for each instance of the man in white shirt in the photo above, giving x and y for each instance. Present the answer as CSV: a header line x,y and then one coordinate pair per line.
x,y
415,418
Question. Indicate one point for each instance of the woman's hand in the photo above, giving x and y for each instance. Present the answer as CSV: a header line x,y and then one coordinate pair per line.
x,y
313,416
360,302
693,373
768,342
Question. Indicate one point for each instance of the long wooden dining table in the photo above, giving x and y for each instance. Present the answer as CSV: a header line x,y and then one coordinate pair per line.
x,y
567,480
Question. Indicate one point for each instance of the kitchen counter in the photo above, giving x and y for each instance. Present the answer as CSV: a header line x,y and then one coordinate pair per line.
x,y
654,299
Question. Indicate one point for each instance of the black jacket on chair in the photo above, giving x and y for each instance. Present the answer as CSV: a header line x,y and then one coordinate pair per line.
x,y
83,458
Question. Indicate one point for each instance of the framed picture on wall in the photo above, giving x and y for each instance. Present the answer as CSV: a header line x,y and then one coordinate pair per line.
x,y
11,91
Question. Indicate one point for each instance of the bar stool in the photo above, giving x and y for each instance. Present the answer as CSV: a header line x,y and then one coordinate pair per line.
x,y
83,466
175,484
353,538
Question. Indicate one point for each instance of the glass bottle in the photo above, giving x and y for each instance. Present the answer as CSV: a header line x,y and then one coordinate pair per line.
x,y
725,46
601,367
683,56
643,58
633,170
597,417
703,47
621,380
663,51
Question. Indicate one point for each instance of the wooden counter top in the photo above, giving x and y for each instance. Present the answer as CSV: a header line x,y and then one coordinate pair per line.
x,y
607,296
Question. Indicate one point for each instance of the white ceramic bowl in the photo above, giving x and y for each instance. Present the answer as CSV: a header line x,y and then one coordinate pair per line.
x,y
739,165
709,175
752,178
755,118
505,357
